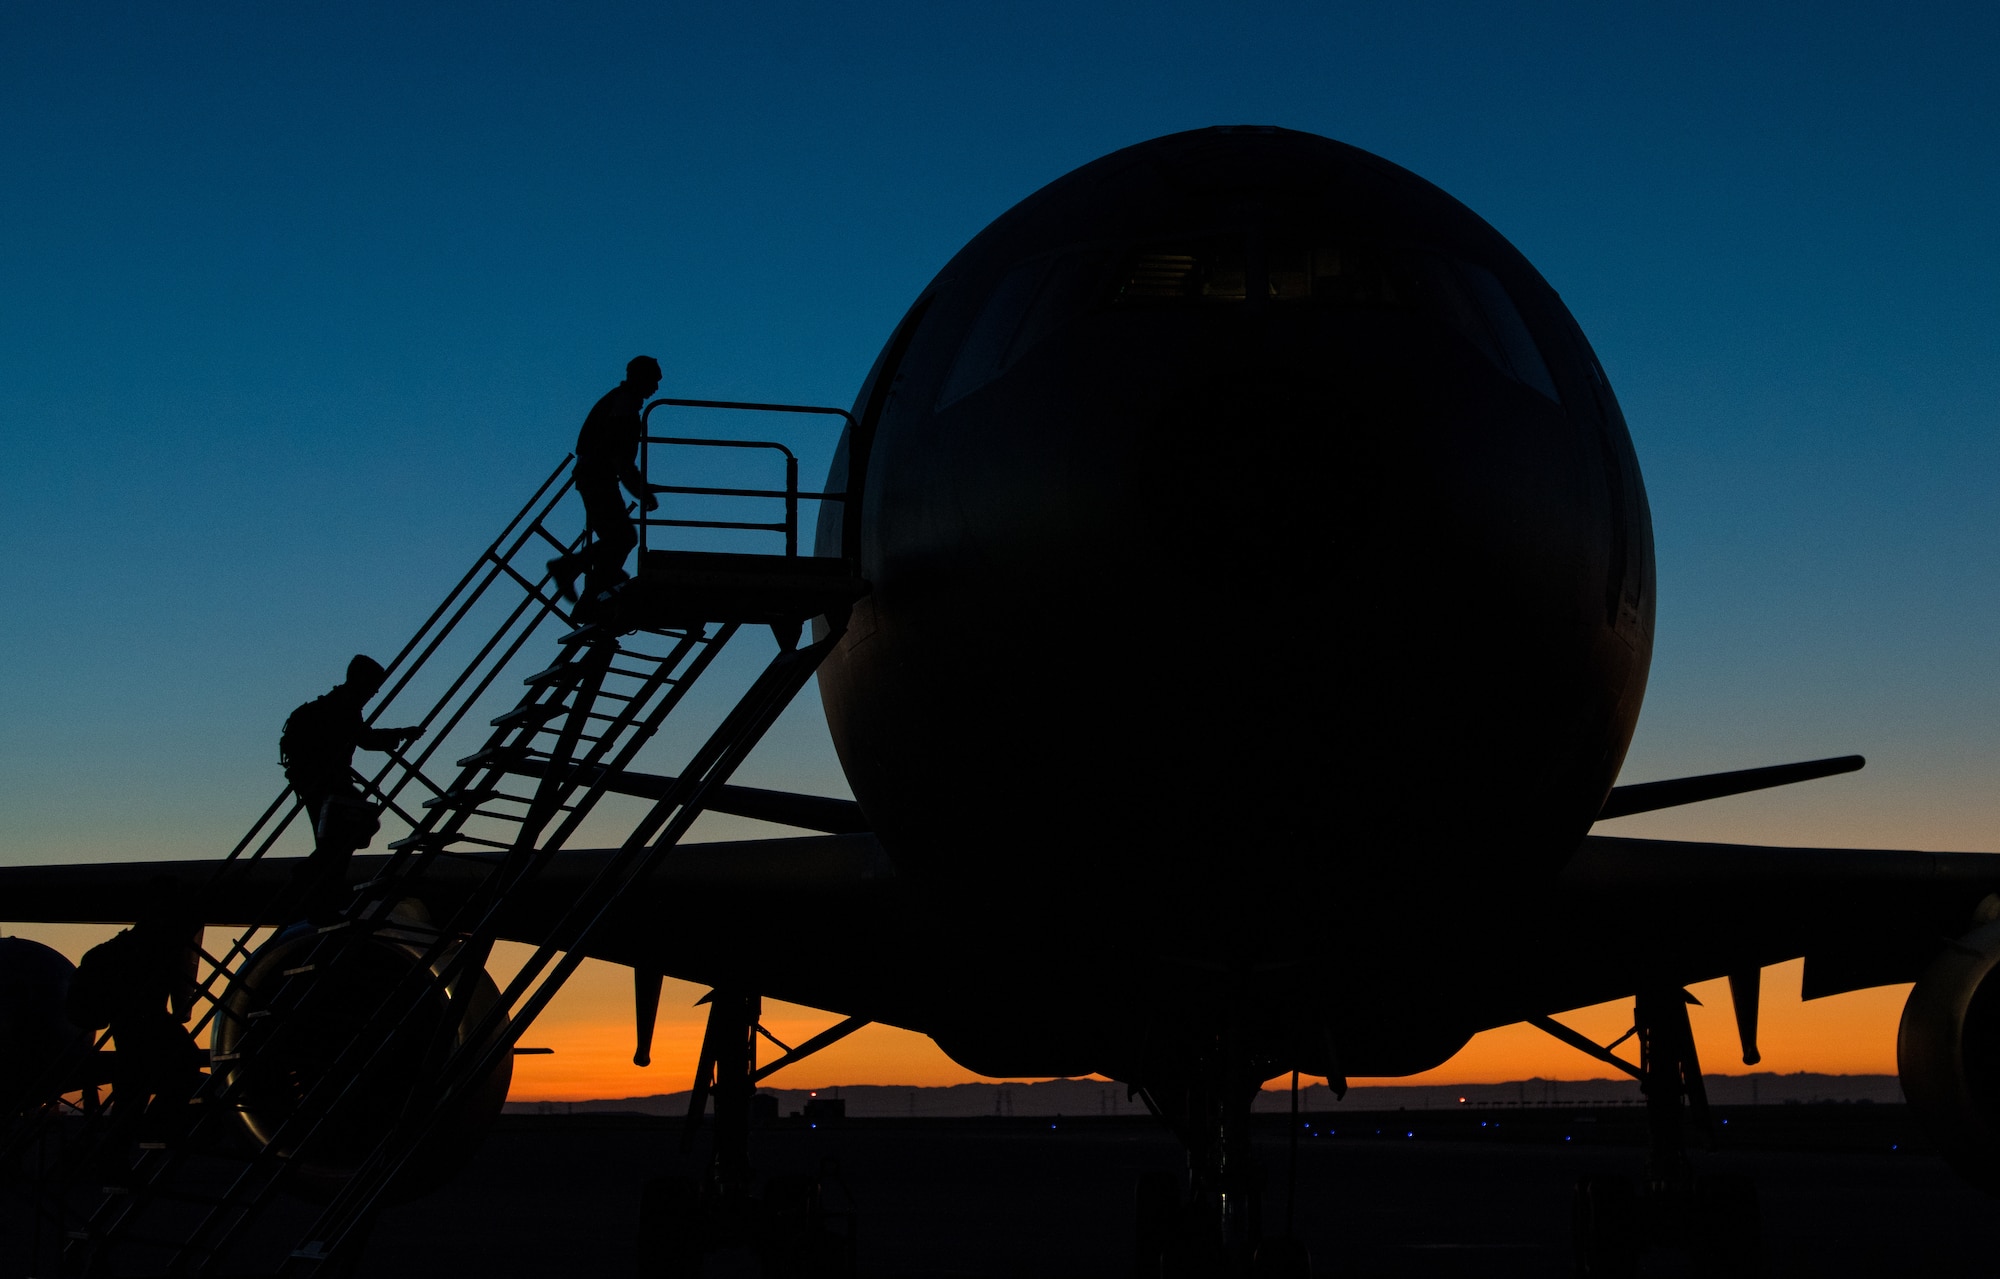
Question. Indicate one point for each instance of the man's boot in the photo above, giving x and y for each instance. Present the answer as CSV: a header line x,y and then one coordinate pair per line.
x,y
562,573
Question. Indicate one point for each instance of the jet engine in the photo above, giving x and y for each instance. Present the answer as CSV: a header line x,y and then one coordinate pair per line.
x,y
273,1073
1948,1054
35,1037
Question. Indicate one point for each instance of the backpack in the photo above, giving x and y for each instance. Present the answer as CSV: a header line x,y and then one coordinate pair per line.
x,y
306,742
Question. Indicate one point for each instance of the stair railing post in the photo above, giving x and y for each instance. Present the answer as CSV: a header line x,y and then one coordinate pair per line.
x,y
791,504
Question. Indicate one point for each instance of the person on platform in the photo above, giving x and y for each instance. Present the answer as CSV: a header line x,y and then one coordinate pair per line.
x,y
317,750
141,984
607,452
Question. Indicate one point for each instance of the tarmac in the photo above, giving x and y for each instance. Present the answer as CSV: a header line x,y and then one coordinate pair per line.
x,y
1846,1190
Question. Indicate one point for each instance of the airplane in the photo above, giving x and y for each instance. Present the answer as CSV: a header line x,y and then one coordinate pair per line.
x,y
1258,569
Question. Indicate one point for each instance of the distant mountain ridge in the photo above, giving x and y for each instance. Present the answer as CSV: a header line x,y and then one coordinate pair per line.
x,y
1081,1097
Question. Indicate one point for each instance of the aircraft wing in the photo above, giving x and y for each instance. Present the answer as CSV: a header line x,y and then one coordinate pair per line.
x,y
817,920
823,921
1631,912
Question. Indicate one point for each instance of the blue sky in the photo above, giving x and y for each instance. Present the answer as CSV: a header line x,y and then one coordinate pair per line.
x,y
298,302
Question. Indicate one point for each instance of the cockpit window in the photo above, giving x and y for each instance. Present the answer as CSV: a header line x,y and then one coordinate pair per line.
x,y
1192,271
983,354
1483,313
1299,271
1030,302
1037,297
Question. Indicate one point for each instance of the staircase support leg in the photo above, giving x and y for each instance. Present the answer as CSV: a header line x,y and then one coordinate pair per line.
x,y
735,1040
1671,1080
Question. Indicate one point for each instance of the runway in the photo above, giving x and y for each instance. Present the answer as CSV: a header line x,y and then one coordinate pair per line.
x,y
1434,1194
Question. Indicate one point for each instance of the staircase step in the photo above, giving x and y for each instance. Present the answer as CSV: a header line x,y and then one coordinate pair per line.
x,y
619,670
561,673
489,755
529,713
542,757
434,839
687,588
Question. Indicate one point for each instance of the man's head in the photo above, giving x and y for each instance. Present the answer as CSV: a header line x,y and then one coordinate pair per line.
x,y
365,675
642,374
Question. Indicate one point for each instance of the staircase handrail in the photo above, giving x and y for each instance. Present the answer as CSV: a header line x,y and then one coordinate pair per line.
x,y
791,493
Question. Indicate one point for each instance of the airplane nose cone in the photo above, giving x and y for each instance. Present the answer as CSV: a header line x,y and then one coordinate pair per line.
x,y
1234,547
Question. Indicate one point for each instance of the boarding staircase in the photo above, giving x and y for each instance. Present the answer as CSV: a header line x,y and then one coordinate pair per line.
x,y
308,1034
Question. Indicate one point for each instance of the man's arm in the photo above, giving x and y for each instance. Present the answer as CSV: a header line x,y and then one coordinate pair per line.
x,y
635,484
629,474
382,739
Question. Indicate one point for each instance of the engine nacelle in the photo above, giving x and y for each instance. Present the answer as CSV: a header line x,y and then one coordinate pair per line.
x,y
1948,1054
274,1077
37,1042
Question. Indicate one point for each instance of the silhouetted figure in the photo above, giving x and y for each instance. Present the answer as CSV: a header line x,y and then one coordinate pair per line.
x,y
607,453
141,984
317,750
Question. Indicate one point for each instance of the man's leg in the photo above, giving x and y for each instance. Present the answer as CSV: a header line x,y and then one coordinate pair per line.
x,y
563,570
127,1110
158,1077
180,1077
320,879
612,548
612,537
312,802
324,883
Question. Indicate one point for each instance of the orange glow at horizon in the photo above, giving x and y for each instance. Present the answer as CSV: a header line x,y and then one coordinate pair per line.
x,y
1851,1034
589,1025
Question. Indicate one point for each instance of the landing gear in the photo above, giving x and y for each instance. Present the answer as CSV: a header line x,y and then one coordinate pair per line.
x,y
1177,1239
725,1221
1209,1223
1674,1219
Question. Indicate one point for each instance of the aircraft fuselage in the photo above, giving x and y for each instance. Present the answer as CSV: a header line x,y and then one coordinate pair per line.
x,y
1261,575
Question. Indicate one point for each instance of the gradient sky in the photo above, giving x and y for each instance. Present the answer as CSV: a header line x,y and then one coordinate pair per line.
x,y
298,302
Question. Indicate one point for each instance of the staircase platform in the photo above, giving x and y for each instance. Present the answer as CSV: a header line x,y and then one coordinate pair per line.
x,y
674,588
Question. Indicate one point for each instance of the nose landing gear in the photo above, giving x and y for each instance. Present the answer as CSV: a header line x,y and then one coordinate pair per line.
x,y
1209,1223
729,1220
1675,1219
